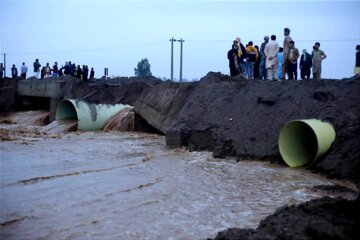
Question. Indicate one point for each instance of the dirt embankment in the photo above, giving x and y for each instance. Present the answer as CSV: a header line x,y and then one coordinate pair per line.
x,y
118,90
325,218
243,118
8,88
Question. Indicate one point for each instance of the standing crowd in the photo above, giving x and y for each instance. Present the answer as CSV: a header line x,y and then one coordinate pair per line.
x,y
269,62
273,62
54,71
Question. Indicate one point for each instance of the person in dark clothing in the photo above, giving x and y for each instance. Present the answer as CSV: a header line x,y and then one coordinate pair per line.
x,y
37,66
14,71
43,72
55,70
67,68
242,56
92,73
357,61
263,71
85,72
61,72
73,70
291,62
257,65
305,65
79,72
2,69
233,60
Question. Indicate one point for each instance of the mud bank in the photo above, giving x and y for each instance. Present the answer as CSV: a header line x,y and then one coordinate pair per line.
x,y
243,118
118,90
325,218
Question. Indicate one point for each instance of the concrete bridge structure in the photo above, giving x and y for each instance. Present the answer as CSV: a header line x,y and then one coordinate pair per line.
x,y
48,93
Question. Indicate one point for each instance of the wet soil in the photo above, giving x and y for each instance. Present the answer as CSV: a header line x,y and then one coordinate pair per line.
x,y
112,91
123,185
331,218
243,118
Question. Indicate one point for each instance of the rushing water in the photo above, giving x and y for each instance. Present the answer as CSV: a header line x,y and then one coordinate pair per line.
x,y
98,185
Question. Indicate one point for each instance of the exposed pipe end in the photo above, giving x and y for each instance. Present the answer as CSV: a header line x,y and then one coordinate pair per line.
x,y
301,142
66,110
89,116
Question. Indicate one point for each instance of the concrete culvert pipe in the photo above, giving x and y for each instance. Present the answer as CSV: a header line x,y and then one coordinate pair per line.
x,y
301,142
89,116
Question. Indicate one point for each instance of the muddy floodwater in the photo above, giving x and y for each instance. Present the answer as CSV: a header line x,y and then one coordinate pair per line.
x,y
123,185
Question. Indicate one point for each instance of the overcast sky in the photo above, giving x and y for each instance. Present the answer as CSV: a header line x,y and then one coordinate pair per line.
x,y
118,34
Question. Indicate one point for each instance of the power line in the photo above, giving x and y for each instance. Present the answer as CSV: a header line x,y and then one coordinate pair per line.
x,y
160,43
91,49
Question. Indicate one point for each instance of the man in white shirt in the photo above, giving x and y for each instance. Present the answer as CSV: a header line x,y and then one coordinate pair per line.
x,y
24,70
271,63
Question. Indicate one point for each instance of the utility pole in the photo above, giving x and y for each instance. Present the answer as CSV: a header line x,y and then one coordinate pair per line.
x,y
181,57
172,58
106,73
4,65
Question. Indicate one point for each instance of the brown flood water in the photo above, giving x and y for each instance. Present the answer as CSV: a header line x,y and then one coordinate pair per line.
x,y
122,185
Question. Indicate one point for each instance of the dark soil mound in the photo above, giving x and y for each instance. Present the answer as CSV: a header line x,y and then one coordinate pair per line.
x,y
110,91
243,118
325,218
8,88
161,104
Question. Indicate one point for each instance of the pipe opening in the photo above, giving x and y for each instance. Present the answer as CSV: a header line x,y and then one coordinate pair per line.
x,y
66,110
298,144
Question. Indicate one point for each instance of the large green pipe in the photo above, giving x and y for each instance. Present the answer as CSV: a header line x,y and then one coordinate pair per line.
x,y
90,116
301,142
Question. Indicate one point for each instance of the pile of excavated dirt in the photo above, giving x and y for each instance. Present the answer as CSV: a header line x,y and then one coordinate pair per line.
x,y
160,105
325,218
243,118
112,91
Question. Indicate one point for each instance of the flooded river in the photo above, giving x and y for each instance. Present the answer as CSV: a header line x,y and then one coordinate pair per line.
x,y
122,185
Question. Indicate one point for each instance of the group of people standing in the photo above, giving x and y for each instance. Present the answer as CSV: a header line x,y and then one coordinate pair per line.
x,y
54,71
273,62
68,69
